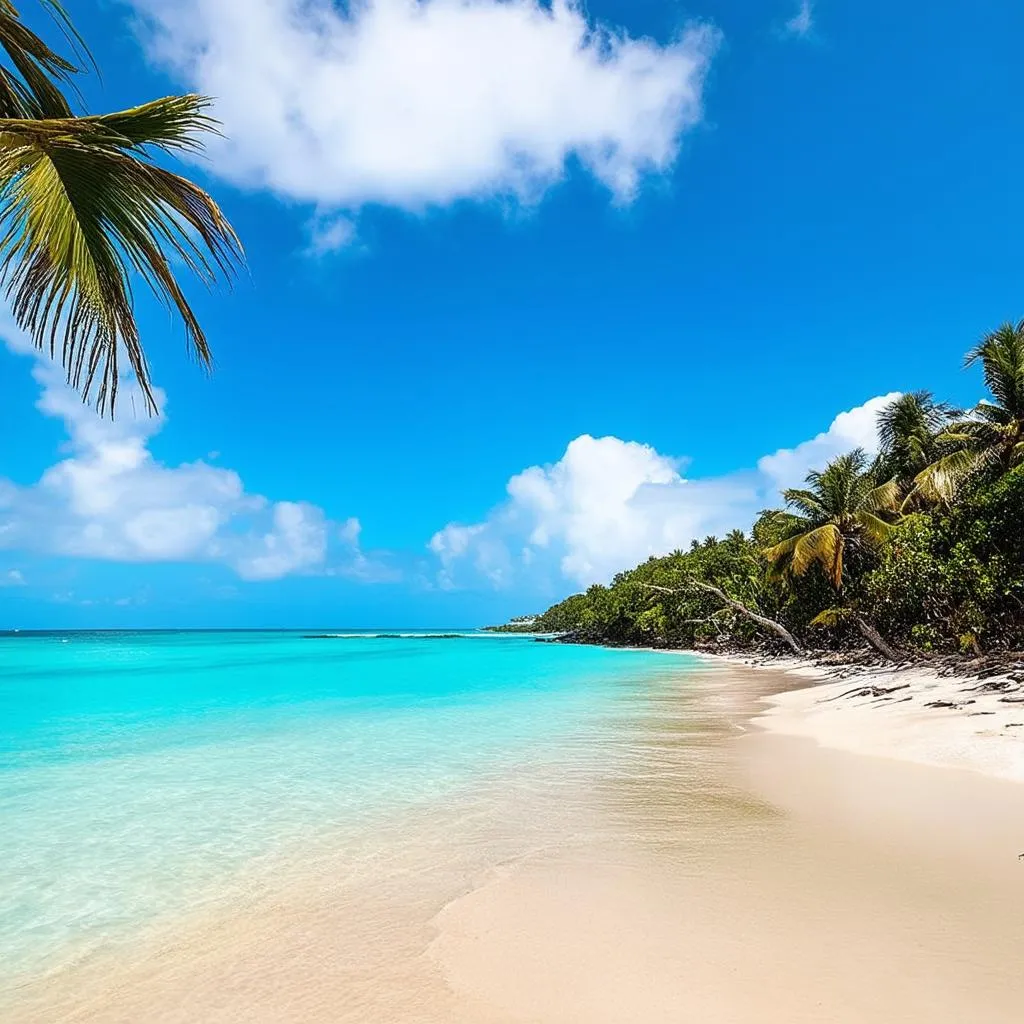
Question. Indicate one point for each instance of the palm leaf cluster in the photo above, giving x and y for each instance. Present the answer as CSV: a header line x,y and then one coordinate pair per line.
x,y
842,507
928,451
86,211
991,437
909,429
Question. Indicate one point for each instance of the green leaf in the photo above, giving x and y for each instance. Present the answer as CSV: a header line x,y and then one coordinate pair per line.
x,y
85,211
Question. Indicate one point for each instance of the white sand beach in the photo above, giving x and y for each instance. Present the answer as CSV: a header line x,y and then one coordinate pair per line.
x,y
908,713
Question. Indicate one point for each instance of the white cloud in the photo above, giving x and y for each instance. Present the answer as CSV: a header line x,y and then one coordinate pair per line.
x,y
331,234
296,538
608,503
853,429
413,103
802,23
485,547
109,498
12,578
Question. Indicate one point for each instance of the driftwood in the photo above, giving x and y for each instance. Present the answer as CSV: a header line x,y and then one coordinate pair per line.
x,y
867,691
874,638
737,606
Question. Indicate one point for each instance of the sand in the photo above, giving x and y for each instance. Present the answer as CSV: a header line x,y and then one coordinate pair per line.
x,y
705,869
983,731
884,891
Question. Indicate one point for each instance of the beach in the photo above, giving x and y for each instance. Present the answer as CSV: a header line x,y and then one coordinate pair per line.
x,y
908,712
697,852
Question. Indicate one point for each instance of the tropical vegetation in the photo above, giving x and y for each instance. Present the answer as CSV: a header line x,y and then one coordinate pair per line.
x,y
87,209
917,550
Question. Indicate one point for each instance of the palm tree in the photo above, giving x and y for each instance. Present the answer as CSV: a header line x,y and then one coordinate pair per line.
x,y
842,507
991,438
908,434
84,209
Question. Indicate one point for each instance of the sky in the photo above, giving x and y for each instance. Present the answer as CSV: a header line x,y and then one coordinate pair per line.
x,y
533,291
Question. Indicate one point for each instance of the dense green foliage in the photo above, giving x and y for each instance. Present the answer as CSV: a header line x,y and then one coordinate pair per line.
x,y
920,550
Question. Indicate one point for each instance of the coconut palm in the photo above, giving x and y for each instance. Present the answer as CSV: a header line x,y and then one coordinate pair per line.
x,y
85,210
843,507
991,438
908,434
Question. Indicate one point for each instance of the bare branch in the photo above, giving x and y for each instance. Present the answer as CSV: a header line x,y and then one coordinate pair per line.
x,y
777,628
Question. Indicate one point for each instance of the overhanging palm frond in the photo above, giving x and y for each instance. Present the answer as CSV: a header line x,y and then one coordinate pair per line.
x,y
782,551
842,504
84,208
33,88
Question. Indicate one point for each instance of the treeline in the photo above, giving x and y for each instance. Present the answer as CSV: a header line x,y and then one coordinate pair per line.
x,y
918,550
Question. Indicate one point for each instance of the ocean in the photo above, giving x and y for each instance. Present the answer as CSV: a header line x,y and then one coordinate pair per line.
x,y
145,774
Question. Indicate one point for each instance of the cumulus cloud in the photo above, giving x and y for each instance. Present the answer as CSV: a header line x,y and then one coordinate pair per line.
x,y
608,503
12,578
856,428
109,498
802,23
413,103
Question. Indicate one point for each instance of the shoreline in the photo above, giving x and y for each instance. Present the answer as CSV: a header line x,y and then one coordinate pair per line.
x,y
908,713
971,720
690,872
832,868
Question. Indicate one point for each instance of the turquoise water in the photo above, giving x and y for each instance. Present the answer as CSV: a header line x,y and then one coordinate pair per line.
x,y
138,771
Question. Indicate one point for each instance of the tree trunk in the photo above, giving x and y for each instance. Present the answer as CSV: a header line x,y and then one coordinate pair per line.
x,y
762,620
874,638
776,627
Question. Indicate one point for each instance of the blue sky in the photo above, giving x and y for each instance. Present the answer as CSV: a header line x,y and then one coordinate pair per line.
x,y
474,248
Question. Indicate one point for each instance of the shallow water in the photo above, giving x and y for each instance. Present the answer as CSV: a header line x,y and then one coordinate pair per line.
x,y
143,774
480,831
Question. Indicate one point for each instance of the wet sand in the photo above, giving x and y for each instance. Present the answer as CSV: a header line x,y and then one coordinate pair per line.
x,y
682,866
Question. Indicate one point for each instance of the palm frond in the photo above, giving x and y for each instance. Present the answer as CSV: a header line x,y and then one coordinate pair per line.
x,y
832,617
940,481
908,416
824,546
992,413
84,208
780,556
33,88
882,498
972,433
806,501
1001,355
875,529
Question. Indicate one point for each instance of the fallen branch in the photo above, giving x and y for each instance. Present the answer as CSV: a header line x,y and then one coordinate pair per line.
x,y
737,606
866,691
874,638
